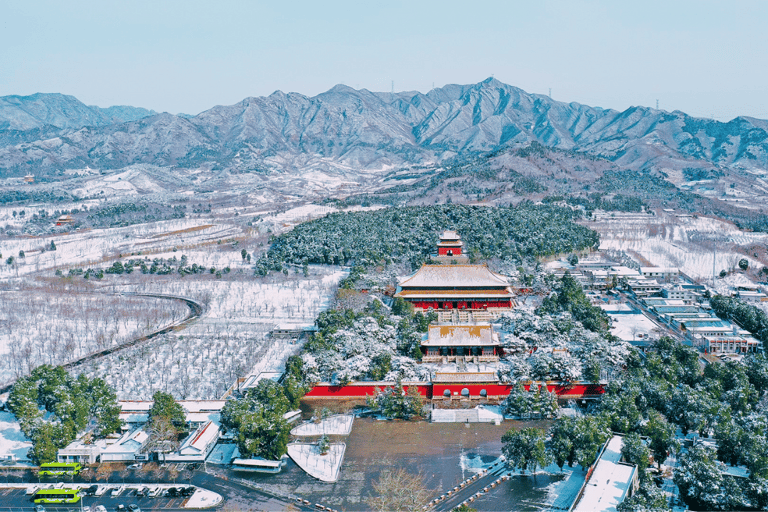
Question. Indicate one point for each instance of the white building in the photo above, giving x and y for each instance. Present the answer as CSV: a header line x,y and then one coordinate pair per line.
x,y
127,448
751,296
197,446
665,273
677,292
611,481
78,451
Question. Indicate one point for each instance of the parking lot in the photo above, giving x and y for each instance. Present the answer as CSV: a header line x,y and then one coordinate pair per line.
x,y
17,499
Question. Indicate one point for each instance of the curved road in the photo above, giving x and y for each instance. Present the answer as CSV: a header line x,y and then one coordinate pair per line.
x,y
195,311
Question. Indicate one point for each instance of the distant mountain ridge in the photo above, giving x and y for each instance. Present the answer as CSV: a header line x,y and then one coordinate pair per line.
x,y
348,129
61,111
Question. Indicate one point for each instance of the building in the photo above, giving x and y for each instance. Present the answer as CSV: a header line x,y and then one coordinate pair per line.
x,y
197,412
29,178
644,287
664,273
610,481
78,451
65,220
197,446
450,244
450,287
751,296
446,343
678,292
130,447
730,344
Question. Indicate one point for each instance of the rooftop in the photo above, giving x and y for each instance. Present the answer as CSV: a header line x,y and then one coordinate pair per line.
x,y
461,335
610,481
449,235
454,275
462,377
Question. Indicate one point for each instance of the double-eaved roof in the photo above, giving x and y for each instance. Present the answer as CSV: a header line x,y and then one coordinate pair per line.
x,y
454,276
474,335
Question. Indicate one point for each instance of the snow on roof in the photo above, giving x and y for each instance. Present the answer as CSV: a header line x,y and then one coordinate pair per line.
x,y
618,308
453,294
659,270
201,438
461,335
130,442
258,462
610,480
454,275
190,406
450,235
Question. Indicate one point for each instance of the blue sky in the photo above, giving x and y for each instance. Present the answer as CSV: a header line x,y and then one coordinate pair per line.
x,y
705,58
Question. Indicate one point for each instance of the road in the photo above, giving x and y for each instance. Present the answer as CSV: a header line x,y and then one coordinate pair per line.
x,y
471,487
236,493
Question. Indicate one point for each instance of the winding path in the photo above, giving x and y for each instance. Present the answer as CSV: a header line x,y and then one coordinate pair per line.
x,y
195,311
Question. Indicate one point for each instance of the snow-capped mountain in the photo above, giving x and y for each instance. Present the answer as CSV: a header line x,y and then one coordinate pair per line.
x,y
350,129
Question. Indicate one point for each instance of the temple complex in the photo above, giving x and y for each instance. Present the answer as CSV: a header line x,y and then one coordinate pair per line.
x,y
450,287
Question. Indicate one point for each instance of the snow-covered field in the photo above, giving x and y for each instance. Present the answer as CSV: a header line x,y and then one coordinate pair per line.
x,y
690,243
323,467
60,321
229,341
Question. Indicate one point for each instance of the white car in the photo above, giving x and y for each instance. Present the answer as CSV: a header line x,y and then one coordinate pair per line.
x,y
100,508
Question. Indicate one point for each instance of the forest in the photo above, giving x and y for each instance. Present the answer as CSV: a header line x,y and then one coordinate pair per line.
x,y
409,234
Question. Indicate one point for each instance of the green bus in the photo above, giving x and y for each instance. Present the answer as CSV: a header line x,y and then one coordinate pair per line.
x,y
60,468
56,496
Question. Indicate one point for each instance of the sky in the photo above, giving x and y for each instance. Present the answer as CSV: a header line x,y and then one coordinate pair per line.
x,y
706,58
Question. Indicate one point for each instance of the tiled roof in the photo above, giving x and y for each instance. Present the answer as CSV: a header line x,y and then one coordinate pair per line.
x,y
454,276
450,235
460,335
454,294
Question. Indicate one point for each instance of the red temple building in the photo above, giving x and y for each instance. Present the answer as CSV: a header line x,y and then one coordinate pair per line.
x,y
450,287
473,342
450,244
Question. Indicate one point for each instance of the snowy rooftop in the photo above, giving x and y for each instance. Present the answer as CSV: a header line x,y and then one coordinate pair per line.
x,y
201,438
450,235
130,442
461,335
453,294
454,275
659,270
190,406
610,481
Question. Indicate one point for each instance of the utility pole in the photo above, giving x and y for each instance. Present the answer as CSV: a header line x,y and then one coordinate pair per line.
x,y
657,104
550,93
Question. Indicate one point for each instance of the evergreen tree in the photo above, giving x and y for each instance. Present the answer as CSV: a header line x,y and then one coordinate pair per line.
x,y
524,449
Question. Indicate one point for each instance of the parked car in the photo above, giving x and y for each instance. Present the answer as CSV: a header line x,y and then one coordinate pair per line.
x,y
39,508
155,492
100,508
172,492
116,491
120,508
187,491
134,507
91,491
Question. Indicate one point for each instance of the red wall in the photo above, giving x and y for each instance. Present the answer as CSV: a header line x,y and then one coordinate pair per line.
x,y
429,390
443,251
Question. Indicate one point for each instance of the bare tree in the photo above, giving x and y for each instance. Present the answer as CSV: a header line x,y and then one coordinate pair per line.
x,y
399,490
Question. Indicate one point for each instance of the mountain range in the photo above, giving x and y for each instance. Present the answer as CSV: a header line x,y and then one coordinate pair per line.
x,y
347,130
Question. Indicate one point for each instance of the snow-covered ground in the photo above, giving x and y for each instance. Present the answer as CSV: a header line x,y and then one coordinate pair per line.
x,y
57,322
13,442
229,341
690,243
481,414
323,467
203,498
339,425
